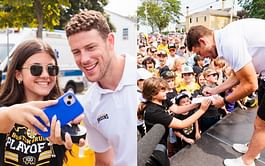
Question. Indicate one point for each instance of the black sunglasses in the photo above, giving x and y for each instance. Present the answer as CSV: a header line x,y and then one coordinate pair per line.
x,y
37,69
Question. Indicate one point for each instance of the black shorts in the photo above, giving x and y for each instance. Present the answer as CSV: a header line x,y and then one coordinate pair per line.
x,y
261,99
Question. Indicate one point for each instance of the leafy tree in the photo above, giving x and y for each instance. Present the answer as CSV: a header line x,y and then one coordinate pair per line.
x,y
32,13
77,5
253,8
158,13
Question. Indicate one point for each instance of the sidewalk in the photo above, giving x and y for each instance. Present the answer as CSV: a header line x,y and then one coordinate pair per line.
x,y
216,144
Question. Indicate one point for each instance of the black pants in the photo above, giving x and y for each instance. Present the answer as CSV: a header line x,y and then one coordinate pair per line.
x,y
261,99
141,129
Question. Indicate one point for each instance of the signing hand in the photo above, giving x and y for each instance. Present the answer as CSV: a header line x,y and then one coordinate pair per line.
x,y
218,101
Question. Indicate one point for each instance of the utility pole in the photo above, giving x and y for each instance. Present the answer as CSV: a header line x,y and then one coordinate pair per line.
x,y
232,11
222,4
187,19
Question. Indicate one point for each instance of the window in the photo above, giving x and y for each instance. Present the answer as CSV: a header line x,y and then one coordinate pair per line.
x,y
190,20
205,18
197,19
125,34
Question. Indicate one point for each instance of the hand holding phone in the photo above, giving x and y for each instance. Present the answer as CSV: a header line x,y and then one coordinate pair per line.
x,y
67,109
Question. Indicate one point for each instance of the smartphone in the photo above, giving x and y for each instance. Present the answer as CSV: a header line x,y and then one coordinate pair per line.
x,y
67,109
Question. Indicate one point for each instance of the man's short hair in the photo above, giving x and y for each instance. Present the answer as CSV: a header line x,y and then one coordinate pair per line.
x,y
87,20
194,34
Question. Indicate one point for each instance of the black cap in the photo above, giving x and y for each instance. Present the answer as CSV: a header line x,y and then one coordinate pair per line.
x,y
167,74
171,45
180,96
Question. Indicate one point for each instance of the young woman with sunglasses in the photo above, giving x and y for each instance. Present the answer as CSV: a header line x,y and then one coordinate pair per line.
x,y
31,80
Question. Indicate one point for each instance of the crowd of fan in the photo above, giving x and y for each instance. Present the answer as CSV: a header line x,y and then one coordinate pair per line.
x,y
187,74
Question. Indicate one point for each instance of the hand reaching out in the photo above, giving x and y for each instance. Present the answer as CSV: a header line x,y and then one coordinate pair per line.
x,y
25,114
205,104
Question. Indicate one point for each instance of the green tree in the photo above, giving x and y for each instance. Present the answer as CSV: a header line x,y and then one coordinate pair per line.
x,y
158,13
32,13
77,5
253,8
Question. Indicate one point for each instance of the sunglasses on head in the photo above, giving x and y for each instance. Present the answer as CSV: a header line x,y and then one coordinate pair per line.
x,y
37,69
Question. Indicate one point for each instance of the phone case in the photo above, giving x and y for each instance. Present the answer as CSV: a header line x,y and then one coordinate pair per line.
x,y
67,109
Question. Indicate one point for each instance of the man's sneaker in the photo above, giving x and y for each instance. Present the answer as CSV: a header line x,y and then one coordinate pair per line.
x,y
236,162
242,148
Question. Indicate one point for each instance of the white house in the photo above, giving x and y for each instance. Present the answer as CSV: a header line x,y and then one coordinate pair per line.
x,y
126,33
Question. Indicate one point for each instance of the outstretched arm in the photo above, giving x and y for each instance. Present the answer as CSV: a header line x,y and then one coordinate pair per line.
x,y
176,123
24,114
248,83
227,84
182,109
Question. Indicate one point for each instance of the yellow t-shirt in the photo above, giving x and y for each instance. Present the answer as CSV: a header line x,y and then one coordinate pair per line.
x,y
190,88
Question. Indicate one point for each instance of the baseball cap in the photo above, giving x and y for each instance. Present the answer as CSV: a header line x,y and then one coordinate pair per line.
x,y
187,69
143,74
171,45
180,96
167,74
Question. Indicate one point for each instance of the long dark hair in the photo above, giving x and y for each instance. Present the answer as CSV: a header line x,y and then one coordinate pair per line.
x,y
11,91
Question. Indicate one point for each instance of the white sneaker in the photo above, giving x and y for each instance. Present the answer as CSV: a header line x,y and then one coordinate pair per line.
x,y
242,148
236,162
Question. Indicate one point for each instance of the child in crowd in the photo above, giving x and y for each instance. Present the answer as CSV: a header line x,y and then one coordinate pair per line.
x,y
188,83
140,58
200,79
169,76
177,69
156,112
149,64
142,74
162,58
214,114
189,134
198,67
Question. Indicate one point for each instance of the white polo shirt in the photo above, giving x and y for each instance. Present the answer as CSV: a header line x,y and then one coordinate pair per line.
x,y
111,117
241,42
